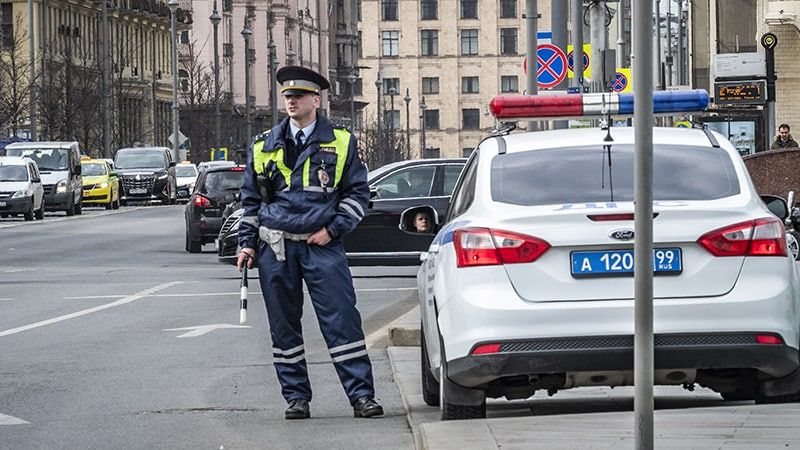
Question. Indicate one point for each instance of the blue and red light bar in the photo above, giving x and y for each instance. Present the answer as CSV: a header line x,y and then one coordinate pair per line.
x,y
519,107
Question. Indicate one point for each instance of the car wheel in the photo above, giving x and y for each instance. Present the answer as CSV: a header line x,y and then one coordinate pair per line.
x,y
40,212
79,207
456,402
110,204
115,203
4,216
70,208
29,213
193,246
793,244
430,387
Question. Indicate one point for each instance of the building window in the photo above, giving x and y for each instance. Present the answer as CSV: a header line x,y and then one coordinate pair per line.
x,y
360,46
358,7
736,27
465,152
358,87
183,80
508,41
389,84
430,9
389,10
184,39
470,118
391,43
469,85
6,26
508,83
430,85
432,119
430,42
469,9
508,9
391,118
431,152
469,42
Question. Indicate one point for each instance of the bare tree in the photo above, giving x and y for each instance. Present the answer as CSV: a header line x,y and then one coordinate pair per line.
x,y
376,148
14,79
197,101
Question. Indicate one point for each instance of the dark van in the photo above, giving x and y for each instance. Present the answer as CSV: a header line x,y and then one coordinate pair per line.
x,y
60,168
146,173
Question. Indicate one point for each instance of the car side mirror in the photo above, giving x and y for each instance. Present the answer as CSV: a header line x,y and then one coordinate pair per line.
x,y
776,205
173,164
112,174
419,220
373,192
36,180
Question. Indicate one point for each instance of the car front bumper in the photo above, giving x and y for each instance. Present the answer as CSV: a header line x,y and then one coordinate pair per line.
x,y
57,201
97,196
15,205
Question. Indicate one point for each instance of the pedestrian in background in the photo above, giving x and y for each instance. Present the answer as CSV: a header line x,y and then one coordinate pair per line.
x,y
784,138
305,188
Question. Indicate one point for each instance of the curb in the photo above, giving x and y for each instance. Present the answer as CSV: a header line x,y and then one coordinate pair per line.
x,y
405,331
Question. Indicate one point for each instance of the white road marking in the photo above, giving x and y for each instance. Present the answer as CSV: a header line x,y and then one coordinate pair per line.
x,y
203,329
6,299
215,294
11,420
122,301
49,219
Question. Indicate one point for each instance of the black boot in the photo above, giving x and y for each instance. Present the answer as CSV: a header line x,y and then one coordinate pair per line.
x,y
367,407
298,409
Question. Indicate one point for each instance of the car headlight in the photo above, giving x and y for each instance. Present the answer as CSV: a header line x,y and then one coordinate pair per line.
x,y
104,185
18,194
61,186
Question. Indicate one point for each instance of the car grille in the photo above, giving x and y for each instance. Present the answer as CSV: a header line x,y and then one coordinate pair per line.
x,y
229,223
144,182
625,342
6,194
89,187
48,189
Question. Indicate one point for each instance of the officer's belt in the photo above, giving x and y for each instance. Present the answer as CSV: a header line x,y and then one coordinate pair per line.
x,y
275,239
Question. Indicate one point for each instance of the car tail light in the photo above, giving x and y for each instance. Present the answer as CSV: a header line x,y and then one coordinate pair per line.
x,y
201,202
760,237
486,349
488,247
237,169
768,339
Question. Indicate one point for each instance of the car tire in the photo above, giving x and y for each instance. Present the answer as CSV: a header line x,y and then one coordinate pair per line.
x,y
70,208
457,402
79,207
29,213
193,246
3,216
430,387
110,204
40,212
115,203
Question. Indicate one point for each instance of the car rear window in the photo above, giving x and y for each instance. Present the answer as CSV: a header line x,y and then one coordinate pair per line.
x,y
583,175
226,180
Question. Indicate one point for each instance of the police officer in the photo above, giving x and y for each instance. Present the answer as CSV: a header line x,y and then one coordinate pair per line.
x,y
304,189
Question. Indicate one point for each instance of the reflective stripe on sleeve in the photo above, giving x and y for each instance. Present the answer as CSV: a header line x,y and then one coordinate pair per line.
x,y
354,204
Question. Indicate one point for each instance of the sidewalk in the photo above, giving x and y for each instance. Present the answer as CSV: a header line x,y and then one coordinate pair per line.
x,y
588,418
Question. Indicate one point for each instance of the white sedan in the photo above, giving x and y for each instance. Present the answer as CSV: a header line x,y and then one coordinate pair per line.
x,y
528,284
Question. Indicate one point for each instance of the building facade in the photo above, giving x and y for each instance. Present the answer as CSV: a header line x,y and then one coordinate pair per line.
x,y
69,66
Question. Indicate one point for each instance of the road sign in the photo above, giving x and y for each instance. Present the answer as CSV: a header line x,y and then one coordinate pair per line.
x,y
181,138
551,66
587,66
746,92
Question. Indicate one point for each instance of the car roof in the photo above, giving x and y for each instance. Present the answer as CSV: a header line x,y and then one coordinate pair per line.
x,y
14,161
42,144
143,149
411,162
94,161
223,168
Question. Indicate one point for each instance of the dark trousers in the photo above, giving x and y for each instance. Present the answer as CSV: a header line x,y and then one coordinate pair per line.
x,y
327,276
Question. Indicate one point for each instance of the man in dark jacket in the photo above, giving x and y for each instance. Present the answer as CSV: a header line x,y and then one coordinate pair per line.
x,y
783,139
304,188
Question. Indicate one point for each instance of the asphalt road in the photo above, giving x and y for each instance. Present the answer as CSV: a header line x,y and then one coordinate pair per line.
x,y
97,349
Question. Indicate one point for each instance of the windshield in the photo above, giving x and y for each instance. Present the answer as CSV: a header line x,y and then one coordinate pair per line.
x,y
185,171
93,169
581,175
229,180
13,173
46,158
140,160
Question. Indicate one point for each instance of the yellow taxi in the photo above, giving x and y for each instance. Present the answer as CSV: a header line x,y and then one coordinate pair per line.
x,y
100,184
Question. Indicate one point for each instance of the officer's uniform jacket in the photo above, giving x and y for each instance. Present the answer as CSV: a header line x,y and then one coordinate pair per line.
x,y
327,187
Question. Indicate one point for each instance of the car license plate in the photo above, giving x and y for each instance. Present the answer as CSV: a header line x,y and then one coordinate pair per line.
x,y
666,261
2,203
135,191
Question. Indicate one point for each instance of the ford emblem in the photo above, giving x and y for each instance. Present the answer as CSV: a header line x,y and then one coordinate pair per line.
x,y
621,235
138,177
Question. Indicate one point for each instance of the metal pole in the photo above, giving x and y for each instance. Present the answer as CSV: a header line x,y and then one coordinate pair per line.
x,y
215,20
658,81
246,33
531,20
680,78
668,51
351,80
32,81
559,16
272,61
173,8
643,224
597,20
407,99
392,93
300,37
422,108
577,42
378,84
105,111
621,34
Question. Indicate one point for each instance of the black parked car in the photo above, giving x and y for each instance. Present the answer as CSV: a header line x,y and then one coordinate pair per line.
x,y
146,173
394,188
214,190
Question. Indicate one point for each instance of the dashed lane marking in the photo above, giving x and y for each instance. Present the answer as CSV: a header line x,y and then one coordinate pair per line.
x,y
11,420
122,301
216,294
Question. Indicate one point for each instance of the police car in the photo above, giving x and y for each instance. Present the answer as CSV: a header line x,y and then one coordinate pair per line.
x,y
528,285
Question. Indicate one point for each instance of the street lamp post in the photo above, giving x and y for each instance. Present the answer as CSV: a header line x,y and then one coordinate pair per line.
x,y
215,20
32,82
392,93
422,108
246,33
407,99
173,10
351,80
378,85
272,61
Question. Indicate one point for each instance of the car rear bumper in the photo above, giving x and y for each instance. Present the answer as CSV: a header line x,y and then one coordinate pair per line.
x,y
205,228
15,205
383,258
615,353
